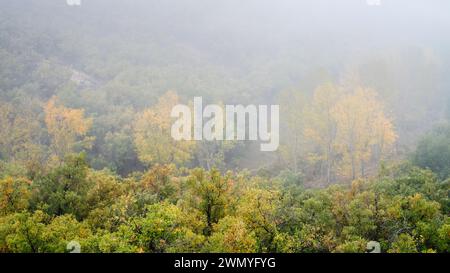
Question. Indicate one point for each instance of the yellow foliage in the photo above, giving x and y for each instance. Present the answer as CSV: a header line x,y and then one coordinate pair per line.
x,y
67,127
363,130
14,195
152,137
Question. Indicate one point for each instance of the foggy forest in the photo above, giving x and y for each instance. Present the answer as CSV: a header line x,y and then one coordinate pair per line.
x,y
86,152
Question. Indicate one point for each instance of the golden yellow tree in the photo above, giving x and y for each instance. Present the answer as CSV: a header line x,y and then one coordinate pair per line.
x,y
67,128
364,133
14,195
321,128
152,134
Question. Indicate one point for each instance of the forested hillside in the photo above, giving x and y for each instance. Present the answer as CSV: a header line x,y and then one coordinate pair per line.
x,y
86,153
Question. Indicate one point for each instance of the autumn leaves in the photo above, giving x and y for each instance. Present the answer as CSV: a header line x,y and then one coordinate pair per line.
x,y
335,133
67,127
152,138
339,133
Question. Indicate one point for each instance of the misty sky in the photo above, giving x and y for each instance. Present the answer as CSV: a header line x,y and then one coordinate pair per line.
x,y
264,24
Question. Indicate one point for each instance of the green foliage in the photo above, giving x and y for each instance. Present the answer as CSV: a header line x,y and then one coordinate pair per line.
x,y
174,210
433,151
231,235
164,229
160,182
404,244
64,190
38,233
125,194
354,245
209,195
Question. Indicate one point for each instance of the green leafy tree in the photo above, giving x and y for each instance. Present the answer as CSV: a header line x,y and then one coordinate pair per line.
x,y
163,228
210,195
433,151
64,189
231,235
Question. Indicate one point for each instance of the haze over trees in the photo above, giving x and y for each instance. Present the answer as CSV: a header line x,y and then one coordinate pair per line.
x,y
86,152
